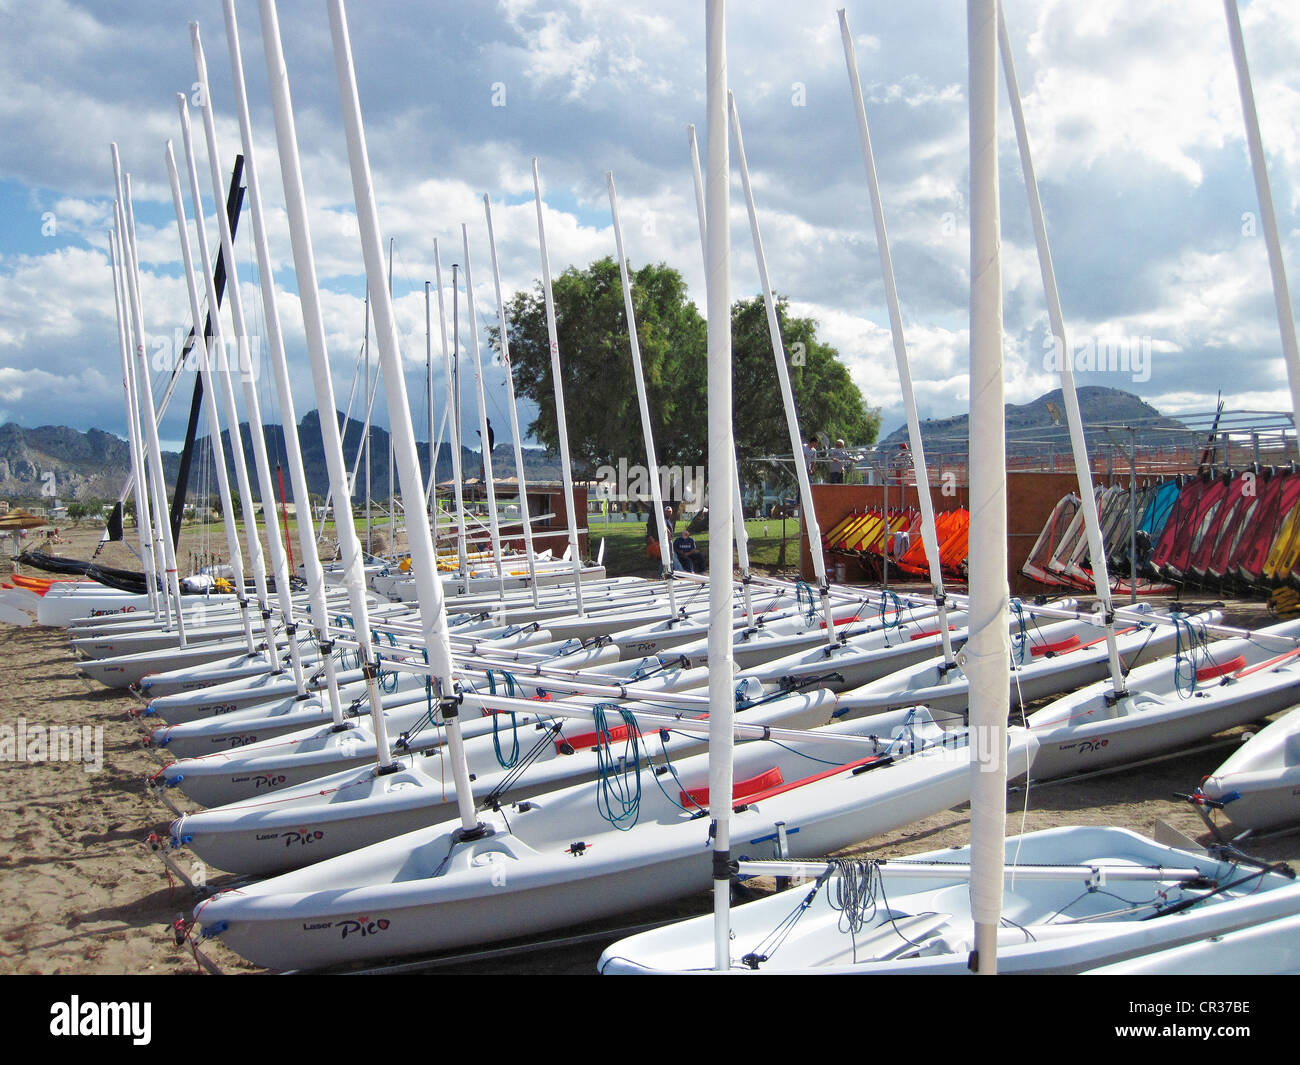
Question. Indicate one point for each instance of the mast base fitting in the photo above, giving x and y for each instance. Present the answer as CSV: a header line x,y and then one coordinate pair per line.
x,y
469,835
389,769
342,727
723,867
1111,698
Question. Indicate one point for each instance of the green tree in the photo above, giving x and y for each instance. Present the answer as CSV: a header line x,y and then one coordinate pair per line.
x,y
600,395
596,363
825,397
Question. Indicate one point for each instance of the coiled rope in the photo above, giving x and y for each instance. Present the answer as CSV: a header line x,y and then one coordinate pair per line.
x,y
618,792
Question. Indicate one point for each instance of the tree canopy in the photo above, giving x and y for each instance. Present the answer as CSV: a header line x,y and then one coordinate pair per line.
x,y
600,394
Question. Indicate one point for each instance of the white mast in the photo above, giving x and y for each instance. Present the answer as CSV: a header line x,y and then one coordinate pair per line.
x,y
210,403
1281,291
1073,416
929,532
247,377
312,570
428,388
656,493
424,562
811,526
489,481
453,422
162,524
504,326
146,516
988,652
742,536
132,425
227,392
557,383
304,259
721,460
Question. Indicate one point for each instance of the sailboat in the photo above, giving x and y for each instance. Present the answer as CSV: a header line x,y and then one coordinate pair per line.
x,y
1063,900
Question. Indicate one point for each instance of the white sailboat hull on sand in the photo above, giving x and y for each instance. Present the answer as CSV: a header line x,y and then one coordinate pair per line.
x,y
922,924
1259,785
333,815
1165,709
552,862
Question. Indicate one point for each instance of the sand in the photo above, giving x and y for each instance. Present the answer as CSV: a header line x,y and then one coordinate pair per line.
x,y
81,891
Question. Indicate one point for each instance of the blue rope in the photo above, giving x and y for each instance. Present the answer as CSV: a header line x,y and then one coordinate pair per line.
x,y
1020,638
800,588
511,688
387,680
892,597
618,794
1185,659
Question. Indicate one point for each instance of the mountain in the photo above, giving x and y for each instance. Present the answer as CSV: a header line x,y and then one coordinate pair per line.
x,y
1040,424
56,461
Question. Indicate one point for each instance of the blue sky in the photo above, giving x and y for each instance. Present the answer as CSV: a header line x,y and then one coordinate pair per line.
x,y
1132,112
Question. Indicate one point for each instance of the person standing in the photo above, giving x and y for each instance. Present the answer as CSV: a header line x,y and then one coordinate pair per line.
x,y
810,456
652,546
840,462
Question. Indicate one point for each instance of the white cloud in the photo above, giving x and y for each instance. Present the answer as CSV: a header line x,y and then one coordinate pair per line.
x,y
1132,111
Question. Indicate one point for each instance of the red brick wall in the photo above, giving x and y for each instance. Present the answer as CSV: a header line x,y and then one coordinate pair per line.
x,y
1030,499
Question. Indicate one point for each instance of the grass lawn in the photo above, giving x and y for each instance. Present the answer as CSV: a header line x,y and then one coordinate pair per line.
x,y
625,545
624,542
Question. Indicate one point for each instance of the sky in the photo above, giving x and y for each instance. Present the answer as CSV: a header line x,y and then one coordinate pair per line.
x,y
1133,118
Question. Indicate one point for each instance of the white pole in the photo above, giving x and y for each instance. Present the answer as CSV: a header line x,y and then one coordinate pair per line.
x,y
424,560
366,429
721,458
1281,291
656,492
210,403
1073,416
428,387
162,604
132,424
227,392
312,571
162,523
247,377
504,326
304,259
988,649
489,481
454,421
811,526
929,532
742,537
557,382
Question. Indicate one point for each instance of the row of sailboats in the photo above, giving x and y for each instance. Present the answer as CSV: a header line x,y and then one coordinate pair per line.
x,y
487,765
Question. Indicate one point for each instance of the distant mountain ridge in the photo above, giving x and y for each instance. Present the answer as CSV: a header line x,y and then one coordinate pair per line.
x,y
1042,423
95,464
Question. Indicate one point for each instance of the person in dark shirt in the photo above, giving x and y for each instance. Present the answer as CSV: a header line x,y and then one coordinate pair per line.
x,y
687,553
